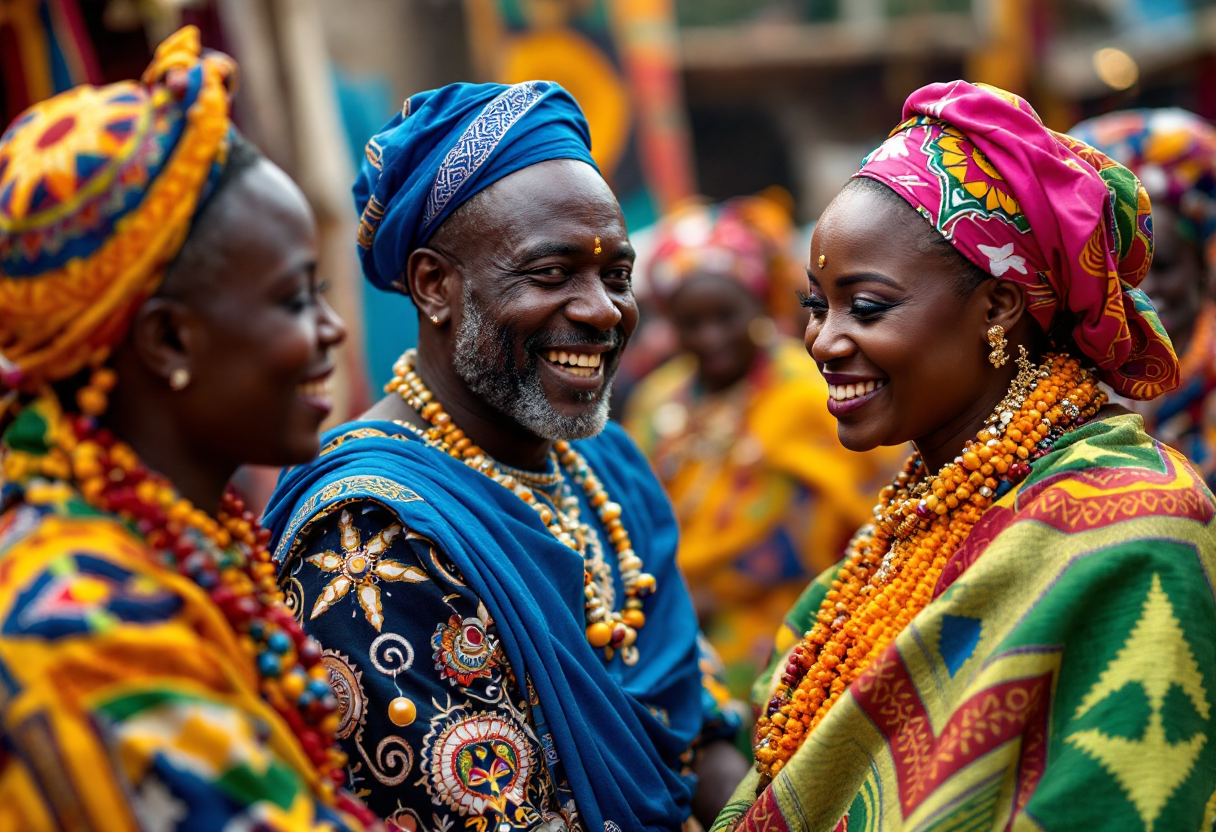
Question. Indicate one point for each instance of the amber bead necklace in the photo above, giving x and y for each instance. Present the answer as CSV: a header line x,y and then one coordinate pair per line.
x,y
893,566
607,629
226,555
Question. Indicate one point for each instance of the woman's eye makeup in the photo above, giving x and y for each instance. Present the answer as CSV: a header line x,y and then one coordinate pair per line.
x,y
304,296
862,309
812,302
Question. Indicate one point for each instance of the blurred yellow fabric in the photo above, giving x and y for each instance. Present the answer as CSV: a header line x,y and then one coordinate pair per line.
x,y
765,494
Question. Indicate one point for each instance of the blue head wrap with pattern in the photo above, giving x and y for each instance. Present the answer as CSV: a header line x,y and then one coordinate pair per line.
x,y
445,146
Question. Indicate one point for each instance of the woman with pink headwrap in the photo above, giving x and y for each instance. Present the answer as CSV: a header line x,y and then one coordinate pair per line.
x,y
1024,638
736,428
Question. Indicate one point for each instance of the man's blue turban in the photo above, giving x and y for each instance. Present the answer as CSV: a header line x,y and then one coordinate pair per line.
x,y
442,148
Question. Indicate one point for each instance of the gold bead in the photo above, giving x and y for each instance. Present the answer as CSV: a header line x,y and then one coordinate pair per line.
x,y
402,711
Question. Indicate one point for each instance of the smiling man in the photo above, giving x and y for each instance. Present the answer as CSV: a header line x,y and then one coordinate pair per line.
x,y
490,564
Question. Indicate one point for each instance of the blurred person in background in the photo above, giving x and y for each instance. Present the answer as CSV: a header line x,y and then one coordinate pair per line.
x,y
488,562
1173,151
1025,637
738,431
160,325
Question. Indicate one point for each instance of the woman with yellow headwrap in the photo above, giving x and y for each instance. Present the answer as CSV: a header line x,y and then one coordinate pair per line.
x,y
159,326
737,430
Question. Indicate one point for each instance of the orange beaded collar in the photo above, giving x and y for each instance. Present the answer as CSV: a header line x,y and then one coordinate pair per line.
x,y
607,629
920,522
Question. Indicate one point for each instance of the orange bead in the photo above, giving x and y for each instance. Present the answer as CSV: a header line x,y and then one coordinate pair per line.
x,y
599,634
402,711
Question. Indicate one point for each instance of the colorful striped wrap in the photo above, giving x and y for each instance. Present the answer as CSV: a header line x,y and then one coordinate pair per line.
x,y
1063,677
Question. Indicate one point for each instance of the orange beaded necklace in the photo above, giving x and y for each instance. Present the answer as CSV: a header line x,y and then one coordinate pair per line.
x,y
607,629
920,522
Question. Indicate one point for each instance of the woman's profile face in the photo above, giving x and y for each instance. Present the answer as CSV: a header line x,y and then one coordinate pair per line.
x,y
904,354
261,331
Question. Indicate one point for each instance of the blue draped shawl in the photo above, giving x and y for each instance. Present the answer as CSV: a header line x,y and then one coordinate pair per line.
x,y
619,730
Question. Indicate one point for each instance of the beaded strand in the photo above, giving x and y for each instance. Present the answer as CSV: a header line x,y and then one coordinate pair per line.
x,y
607,629
226,555
893,566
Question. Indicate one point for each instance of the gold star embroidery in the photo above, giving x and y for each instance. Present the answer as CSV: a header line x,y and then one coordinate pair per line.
x,y
363,567
1156,656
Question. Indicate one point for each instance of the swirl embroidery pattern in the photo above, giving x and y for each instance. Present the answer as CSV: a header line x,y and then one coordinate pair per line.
x,y
445,745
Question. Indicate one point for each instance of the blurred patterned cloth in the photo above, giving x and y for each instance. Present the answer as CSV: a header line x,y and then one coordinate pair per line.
x,y
1173,151
765,495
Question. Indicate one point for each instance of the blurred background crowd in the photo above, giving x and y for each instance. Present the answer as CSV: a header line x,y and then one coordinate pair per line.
x,y
724,126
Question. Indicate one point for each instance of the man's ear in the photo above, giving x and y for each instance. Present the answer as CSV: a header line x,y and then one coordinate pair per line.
x,y
433,280
161,336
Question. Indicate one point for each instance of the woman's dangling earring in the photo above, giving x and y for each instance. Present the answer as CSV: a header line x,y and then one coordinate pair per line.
x,y
996,339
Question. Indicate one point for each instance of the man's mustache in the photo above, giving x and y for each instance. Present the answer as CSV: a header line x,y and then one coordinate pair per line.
x,y
542,340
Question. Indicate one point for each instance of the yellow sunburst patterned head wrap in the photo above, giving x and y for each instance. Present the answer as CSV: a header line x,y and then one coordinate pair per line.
x,y
98,187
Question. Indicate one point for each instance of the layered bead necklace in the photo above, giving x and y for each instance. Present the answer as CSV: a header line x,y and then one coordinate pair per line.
x,y
892,566
226,555
607,629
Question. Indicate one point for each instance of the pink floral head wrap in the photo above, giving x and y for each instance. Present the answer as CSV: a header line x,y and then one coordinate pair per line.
x,y
1042,209
745,239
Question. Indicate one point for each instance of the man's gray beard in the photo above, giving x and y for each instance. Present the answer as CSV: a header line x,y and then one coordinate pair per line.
x,y
518,396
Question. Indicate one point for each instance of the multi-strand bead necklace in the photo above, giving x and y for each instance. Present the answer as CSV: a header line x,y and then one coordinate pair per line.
x,y
226,555
607,629
892,567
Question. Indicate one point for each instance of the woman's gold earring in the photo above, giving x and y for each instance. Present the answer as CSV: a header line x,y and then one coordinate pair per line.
x,y
435,320
179,379
996,339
